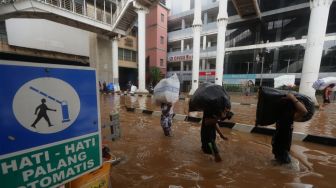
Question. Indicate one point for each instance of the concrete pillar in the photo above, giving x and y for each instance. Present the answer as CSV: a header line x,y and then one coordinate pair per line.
x,y
95,9
104,14
205,18
183,24
182,45
314,47
207,67
222,21
203,64
276,50
115,66
181,66
204,42
197,27
141,11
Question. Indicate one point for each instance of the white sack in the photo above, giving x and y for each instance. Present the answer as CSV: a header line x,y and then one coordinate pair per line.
x,y
284,80
167,90
133,89
322,83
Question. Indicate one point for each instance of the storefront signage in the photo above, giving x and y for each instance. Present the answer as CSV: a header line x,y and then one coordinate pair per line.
x,y
180,58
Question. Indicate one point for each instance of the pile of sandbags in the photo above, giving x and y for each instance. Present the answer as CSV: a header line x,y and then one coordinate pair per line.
x,y
322,83
209,97
167,90
269,100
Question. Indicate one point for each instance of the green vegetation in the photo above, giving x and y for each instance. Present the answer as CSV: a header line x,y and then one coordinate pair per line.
x,y
155,75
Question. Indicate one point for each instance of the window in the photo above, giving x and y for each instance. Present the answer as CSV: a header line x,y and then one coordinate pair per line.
x,y
161,62
161,40
127,55
120,54
162,17
134,56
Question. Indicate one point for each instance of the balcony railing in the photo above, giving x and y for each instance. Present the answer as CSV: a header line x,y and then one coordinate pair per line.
x,y
86,8
210,28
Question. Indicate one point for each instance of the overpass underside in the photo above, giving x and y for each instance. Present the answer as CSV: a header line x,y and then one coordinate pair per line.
x,y
108,17
246,8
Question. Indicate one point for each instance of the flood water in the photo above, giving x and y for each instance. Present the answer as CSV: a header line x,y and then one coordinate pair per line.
x,y
323,122
152,160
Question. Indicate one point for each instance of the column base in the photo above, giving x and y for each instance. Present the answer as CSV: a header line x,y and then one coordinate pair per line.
x,y
116,87
142,91
191,92
309,92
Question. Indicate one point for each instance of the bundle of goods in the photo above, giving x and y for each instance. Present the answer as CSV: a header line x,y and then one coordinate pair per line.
x,y
167,90
210,97
322,83
133,89
269,100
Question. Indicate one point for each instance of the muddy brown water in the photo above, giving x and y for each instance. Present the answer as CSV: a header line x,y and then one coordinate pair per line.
x,y
153,160
323,122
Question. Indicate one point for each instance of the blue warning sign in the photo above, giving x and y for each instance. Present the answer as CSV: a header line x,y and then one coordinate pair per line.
x,y
43,104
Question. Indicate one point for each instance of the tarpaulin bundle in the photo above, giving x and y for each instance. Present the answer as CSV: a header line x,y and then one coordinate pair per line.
x,y
269,101
209,97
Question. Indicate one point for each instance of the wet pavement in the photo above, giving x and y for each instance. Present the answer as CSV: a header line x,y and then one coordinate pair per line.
x,y
153,160
323,122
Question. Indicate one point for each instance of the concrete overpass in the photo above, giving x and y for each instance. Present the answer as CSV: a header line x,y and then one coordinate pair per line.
x,y
105,17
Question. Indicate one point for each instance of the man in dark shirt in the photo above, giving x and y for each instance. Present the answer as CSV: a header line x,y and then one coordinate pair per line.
x,y
208,132
290,109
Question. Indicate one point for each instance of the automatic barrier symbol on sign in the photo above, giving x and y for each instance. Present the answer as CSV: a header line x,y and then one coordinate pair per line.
x,y
64,104
54,103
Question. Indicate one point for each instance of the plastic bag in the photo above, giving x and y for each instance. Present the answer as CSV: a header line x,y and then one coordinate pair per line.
x,y
284,80
133,89
110,87
209,97
322,83
268,101
167,90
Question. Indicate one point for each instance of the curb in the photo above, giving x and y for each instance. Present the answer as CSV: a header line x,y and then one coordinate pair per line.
x,y
269,131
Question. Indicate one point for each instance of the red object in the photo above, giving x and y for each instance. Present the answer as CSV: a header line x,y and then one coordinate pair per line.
x,y
204,73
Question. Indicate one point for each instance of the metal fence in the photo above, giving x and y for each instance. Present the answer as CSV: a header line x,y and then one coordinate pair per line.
x,y
102,13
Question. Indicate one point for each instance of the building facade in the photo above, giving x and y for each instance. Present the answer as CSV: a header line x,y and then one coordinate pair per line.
x,y
128,61
156,37
262,46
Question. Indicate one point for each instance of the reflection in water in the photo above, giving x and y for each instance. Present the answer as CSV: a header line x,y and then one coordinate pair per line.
x,y
133,100
142,102
116,104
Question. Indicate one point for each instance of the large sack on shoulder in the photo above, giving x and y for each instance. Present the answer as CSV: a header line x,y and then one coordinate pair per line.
x,y
209,97
167,90
322,83
269,100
